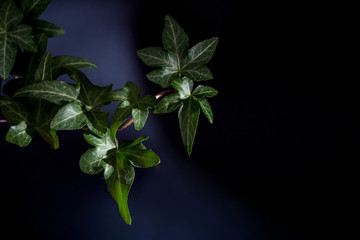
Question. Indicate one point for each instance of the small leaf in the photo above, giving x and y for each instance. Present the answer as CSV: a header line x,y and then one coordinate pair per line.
x,y
139,117
19,134
163,76
168,104
174,37
61,64
97,121
34,8
69,117
52,91
129,144
204,91
43,71
201,73
188,121
119,176
205,107
42,26
184,86
201,53
141,158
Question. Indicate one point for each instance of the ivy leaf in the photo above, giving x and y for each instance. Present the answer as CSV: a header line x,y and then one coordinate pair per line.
x,y
205,91
201,53
163,76
184,86
92,161
20,134
34,8
97,121
205,107
119,175
52,91
43,71
62,64
70,117
10,16
188,120
154,57
168,103
14,111
42,26
132,105
21,34
174,38
200,73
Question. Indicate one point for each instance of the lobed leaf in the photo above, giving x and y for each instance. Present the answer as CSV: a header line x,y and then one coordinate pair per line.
x,y
42,26
34,8
184,86
163,77
200,73
62,64
201,53
154,57
204,91
168,104
97,121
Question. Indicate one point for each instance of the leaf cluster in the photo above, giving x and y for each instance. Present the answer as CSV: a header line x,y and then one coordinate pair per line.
x,y
36,102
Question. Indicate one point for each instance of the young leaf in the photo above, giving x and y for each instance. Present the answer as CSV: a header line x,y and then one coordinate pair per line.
x,y
188,121
140,117
52,91
62,65
184,86
205,91
69,117
119,176
42,26
205,107
201,53
34,8
174,38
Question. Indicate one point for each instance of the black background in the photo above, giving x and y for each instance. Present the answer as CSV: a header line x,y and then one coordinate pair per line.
x,y
284,130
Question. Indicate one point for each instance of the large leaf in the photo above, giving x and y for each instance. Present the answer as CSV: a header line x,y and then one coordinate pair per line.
x,y
188,121
52,91
62,64
34,8
10,16
69,117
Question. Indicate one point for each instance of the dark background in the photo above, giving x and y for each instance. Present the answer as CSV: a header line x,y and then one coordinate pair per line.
x,y
270,166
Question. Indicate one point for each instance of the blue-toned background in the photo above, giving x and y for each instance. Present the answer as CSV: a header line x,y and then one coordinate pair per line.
x,y
256,173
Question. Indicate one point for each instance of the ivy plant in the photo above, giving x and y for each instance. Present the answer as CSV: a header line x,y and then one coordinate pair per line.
x,y
34,101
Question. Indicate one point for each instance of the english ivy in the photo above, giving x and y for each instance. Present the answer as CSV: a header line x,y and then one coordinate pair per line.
x,y
37,102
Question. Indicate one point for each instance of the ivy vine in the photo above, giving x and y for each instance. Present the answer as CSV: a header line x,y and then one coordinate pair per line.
x,y
33,101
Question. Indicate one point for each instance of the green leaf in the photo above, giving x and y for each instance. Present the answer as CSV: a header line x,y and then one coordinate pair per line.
x,y
14,111
43,71
174,38
184,86
200,73
97,121
19,134
201,53
168,103
21,34
204,91
69,117
61,65
10,15
52,91
130,144
34,8
141,158
139,117
7,55
188,121
49,136
92,161
90,95
42,26
154,57
163,77
205,107
119,175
